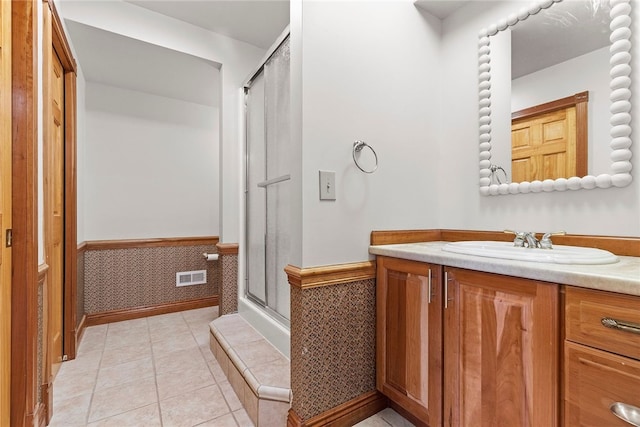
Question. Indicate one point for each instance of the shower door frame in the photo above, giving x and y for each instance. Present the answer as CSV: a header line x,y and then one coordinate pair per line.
x,y
246,87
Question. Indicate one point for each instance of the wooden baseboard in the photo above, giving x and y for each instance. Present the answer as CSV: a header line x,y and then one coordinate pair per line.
x,y
153,310
345,415
80,330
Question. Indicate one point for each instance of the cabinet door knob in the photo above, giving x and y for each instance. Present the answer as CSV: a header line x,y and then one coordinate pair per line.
x,y
627,413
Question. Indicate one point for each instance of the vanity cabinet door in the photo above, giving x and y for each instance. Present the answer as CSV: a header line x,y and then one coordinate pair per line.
x,y
500,350
595,380
409,337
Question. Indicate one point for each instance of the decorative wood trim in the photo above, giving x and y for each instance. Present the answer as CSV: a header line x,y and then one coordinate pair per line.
x,y
82,247
43,269
24,24
623,246
152,310
46,391
104,245
330,275
5,211
548,107
347,414
227,248
60,42
403,236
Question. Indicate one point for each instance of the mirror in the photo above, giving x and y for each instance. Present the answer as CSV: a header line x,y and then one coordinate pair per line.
x,y
501,97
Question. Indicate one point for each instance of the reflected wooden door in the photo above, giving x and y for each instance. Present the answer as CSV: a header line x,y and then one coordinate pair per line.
x,y
544,147
5,212
55,258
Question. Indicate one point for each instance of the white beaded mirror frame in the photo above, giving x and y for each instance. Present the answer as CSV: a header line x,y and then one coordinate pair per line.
x,y
620,107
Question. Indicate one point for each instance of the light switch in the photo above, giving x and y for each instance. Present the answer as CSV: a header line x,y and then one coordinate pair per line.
x,y
327,185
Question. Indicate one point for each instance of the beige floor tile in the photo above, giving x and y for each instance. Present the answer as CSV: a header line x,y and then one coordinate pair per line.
x,y
92,342
204,315
71,412
179,382
177,361
163,332
230,395
223,421
393,418
123,338
242,418
193,408
129,325
147,416
216,370
374,421
165,320
125,373
72,383
85,362
116,356
174,344
116,400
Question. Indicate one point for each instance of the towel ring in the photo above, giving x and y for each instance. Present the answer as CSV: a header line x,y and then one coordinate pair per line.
x,y
357,147
494,173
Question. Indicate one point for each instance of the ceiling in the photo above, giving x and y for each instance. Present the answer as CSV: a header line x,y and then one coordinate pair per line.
x,y
441,8
120,61
257,22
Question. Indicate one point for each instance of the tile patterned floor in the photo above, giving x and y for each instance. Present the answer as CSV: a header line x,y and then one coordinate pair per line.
x,y
155,371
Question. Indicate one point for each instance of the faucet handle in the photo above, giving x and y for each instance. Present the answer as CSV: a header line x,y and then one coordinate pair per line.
x,y
546,243
519,239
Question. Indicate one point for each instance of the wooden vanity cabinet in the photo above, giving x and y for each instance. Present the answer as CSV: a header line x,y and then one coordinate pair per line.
x,y
601,364
501,351
409,337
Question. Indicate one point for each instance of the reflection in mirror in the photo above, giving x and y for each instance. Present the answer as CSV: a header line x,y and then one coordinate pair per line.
x,y
554,91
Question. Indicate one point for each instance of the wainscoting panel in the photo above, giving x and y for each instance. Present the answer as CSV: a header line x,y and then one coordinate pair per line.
x,y
332,340
139,275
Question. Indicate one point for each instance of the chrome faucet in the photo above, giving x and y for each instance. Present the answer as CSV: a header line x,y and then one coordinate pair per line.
x,y
546,243
525,239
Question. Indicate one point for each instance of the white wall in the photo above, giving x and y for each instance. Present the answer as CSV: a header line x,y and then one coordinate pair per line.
x,y
614,211
151,166
370,72
235,58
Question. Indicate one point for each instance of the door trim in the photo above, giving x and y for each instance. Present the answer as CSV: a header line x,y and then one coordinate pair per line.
x,y
24,280
54,39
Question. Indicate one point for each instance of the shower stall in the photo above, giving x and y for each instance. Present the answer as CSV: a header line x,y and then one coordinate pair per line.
x,y
268,198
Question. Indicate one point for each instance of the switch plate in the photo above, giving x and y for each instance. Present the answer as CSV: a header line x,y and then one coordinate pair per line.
x,y
327,185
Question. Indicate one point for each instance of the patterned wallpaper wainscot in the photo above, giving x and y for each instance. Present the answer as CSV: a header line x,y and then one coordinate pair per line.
x,y
333,341
130,274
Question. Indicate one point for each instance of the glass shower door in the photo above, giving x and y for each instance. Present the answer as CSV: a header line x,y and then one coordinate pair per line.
x,y
268,192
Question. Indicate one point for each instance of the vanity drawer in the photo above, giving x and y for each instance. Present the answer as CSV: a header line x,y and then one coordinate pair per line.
x,y
594,380
585,310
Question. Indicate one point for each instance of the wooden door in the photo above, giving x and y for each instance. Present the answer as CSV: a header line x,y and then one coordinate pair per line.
x,y
500,351
544,146
55,176
5,211
409,336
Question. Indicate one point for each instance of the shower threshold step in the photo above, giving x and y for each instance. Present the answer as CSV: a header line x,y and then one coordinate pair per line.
x,y
258,373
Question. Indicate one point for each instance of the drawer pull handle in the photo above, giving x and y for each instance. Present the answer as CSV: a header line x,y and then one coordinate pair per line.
x,y
608,322
626,412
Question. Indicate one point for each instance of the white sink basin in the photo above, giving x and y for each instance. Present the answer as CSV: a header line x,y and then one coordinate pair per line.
x,y
558,255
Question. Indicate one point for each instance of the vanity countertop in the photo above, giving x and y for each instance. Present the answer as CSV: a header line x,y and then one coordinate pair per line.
x,y
622,277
